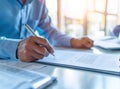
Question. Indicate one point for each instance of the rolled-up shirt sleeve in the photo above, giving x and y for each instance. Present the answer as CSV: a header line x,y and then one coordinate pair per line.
x,y
8,48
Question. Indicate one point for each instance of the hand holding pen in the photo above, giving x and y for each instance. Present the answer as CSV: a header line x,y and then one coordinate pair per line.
x,y
33,33
33,47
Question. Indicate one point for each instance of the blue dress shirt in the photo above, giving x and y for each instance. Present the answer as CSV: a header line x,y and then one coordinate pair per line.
x,y
14,15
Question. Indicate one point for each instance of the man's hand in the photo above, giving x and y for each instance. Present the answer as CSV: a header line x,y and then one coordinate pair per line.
x,y
83,42
33,48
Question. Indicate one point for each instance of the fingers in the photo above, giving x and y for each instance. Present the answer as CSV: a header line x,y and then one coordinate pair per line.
x,y
86,42
34,56
30,56
29,50
40,50
43,42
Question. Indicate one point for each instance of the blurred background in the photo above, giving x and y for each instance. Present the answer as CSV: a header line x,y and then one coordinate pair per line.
x,y
85,17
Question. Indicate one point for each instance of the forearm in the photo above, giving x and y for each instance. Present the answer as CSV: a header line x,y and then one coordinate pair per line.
x,y
55,37
61,39
8,48
53,34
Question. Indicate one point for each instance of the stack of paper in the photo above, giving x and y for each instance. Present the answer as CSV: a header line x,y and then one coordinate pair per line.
x,y
18,78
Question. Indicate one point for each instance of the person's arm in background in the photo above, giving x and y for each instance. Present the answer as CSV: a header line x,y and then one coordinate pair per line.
x,y
116,31
57,37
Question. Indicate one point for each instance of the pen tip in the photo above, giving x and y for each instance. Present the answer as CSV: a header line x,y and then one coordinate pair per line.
x,y
53,54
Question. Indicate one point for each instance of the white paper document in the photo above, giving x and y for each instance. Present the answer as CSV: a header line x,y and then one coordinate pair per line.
x,y
112,44
105,63
31,66
18,78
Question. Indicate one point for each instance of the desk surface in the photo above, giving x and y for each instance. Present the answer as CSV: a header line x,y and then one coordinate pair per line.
x,y
79,79
68,78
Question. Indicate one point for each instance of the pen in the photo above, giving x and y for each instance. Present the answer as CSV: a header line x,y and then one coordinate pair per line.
x,y
30,29
32,32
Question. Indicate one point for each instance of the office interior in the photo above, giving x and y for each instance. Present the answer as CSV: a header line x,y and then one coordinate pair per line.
x,y
79,18
85,17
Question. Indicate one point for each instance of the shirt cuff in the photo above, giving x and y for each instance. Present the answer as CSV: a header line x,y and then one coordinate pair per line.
x,y
9,47
12,49
64,41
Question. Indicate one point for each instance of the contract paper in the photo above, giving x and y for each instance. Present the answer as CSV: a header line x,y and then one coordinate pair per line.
x,y
105,63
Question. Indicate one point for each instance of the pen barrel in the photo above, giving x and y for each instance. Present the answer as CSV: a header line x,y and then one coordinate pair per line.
x,y
30,29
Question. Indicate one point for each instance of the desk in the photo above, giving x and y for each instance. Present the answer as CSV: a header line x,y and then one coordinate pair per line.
x,y
68,78
79,79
